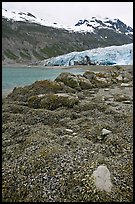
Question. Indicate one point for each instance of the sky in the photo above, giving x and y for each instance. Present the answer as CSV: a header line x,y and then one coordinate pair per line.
x,y
69,13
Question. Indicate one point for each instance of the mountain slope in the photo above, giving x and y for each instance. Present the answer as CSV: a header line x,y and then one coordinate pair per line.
x,y
27,38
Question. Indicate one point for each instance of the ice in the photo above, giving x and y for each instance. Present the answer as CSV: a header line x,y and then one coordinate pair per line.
x,y
118,55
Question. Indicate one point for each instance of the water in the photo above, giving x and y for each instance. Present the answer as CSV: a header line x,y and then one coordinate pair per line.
x,y
22,76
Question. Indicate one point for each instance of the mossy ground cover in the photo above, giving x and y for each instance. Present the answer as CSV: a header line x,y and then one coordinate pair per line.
x,y
49,155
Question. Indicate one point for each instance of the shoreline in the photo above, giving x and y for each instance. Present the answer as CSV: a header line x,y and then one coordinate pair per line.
x,y
93,68
65,67
6,93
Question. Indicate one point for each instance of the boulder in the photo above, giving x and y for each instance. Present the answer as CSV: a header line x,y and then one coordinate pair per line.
x,y
74,81
89,75
122,97
68,79
124,77
53,101
119,77
127,77
39,87
98,80
84,83
102,178
48,86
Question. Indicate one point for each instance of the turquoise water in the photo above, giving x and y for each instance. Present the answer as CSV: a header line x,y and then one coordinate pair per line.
x,y
21,76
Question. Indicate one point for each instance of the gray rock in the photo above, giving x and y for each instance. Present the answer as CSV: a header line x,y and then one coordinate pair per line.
x,y
119,78
53,101
97,79
127,77
125,85
89,75
68,79
74,81
84,83
127,102
69,130
105,131
102,178
106,89
121,97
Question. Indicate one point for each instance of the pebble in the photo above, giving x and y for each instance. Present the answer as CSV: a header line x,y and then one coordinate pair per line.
x,y
127,102
106,89
105,131
41,95
125,85
69,130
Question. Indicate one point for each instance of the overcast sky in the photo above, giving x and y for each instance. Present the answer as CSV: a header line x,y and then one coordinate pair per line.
x,y
68,13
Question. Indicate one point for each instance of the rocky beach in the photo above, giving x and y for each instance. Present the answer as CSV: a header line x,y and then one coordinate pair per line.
x,y
71,139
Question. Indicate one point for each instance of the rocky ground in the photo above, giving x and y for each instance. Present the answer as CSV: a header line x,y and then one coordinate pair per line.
x,y
70,139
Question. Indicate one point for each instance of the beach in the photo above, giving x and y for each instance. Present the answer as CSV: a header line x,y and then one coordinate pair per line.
x,y
57,134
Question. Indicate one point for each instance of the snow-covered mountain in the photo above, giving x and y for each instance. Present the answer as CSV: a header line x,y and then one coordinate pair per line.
x,y
119,55
28,17
27,39
106,23
85,25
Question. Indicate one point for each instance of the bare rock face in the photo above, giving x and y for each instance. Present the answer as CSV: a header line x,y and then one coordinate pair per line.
x,y
102,178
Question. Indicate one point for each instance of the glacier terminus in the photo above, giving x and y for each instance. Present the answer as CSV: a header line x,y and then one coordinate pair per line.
x,y
112,55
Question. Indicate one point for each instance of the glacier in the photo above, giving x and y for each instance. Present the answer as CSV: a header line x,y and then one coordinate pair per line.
x,y
112,55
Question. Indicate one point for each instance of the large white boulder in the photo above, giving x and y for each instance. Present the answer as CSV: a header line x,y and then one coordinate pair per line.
x,y
102,178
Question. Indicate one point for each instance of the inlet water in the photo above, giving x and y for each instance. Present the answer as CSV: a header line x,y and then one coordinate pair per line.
x,y
22,76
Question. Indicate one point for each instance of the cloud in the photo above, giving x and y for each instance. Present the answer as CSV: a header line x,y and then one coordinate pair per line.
x,y
69,13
